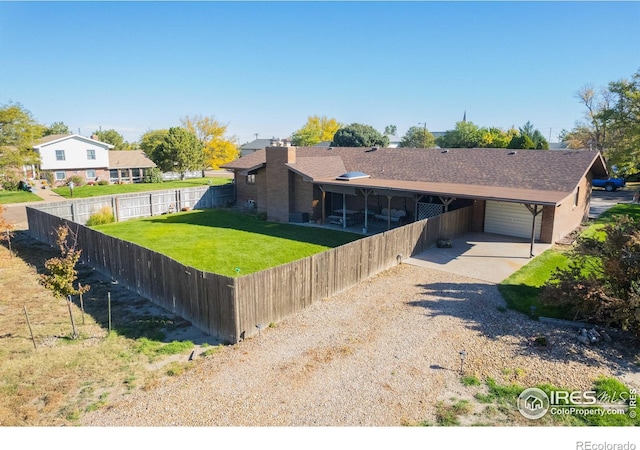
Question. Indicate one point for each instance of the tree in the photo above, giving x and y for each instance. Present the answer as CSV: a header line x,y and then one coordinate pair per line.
x,y
218,148
180,151
6,229
495,137
56,128
390,130
601,284
465,135
359,135
62,270
611,123
418,137
317,129
539,142
151,140
18,133
112,137
521,141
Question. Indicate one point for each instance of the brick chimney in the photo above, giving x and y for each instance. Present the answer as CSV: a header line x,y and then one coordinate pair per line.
x,y
278,182
94,137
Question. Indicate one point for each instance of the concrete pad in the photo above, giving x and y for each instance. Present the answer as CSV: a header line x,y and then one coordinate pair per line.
x,y
484,256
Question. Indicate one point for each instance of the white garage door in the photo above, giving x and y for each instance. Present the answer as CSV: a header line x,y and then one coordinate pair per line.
x,y
510,219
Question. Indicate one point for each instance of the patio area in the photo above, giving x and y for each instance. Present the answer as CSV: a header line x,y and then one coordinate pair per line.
x,y
484,256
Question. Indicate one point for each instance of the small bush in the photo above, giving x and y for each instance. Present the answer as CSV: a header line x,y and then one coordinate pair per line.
x,y
48,177
76,179
153,175
10,182
103,216
103,182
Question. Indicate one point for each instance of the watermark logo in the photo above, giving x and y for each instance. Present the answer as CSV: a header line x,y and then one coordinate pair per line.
x,y
533,403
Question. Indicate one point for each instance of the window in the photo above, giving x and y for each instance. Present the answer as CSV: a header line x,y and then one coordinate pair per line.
x,y
59,155
251,178
91,153
61,176
91,173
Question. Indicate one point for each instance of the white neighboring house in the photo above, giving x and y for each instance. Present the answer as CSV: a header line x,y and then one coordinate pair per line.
x,y
66,155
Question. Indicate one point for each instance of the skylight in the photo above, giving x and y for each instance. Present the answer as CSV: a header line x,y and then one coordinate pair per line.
x,y
352,176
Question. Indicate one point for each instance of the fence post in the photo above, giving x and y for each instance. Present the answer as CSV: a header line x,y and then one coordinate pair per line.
x,y
73,212
151,204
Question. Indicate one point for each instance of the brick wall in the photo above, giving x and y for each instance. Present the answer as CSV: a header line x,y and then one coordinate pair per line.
x,y
569,215
277,181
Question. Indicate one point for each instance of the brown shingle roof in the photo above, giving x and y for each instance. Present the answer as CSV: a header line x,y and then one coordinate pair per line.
x,y
509,173
129,159
318,167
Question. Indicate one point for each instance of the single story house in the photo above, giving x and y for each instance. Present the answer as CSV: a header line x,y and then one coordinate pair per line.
x,y
66,155
258,144
128,166
512,192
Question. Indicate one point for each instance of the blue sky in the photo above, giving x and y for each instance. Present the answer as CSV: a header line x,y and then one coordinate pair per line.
x,y
264,67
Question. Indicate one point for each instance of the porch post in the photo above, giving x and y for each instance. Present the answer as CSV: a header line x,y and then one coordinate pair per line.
x,y
533,209
324,212
344,210
388,212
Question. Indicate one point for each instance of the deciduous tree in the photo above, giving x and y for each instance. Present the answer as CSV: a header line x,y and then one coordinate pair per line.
x,y
317,129
112,137
418,137
218,147
180,151
56,128
464,135
359,135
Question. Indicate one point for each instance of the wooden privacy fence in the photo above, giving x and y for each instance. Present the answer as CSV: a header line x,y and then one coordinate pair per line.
x,y
143,204
231,309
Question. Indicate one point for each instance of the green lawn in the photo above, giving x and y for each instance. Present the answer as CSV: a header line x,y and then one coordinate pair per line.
x,y
110,189
221,241
522,289
17,197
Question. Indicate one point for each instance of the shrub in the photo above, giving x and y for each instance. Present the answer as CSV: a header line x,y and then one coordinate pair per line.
x,y
77,180
48,177
153,175
10,182
601,283
102,216
102,182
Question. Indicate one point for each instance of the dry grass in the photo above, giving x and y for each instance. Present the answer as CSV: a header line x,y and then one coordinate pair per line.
x,y
55,383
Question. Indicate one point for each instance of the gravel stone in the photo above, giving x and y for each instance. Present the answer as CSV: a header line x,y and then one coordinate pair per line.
x,y
380,354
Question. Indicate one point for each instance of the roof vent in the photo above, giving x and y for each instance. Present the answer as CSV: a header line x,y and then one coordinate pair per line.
x,y
444,151
372,149
512,152
352,176
330,148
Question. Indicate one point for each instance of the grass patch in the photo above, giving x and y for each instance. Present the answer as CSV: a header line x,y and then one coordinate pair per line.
x,y
226,242
112,189
448,415
155,348
522,288
503,399
470,380
7,197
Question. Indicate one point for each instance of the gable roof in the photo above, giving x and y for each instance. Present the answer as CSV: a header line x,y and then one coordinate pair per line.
x,y
54,138
256,144
125,159
523,175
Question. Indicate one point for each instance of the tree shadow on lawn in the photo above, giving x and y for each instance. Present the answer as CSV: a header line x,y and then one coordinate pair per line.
x,y
233,220
482,308
132,315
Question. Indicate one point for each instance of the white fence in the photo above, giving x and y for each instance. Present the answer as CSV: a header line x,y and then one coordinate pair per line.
x,y
142,204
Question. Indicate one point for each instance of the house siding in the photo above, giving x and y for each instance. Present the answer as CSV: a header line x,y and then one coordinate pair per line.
x,y
75,152
569,215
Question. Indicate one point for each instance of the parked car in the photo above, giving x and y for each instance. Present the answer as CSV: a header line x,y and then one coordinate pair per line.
x,y
610,184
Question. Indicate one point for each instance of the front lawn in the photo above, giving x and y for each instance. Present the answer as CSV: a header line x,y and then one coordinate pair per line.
x,y
18,197
111,189
522,289
226,242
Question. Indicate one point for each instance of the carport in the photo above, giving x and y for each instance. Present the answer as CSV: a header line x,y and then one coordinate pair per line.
x,y
484,256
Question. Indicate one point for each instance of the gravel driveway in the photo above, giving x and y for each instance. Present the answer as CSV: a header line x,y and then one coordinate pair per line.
x,y
380,354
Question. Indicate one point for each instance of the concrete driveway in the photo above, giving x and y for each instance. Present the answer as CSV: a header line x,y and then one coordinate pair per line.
x,y
484,256
602,200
